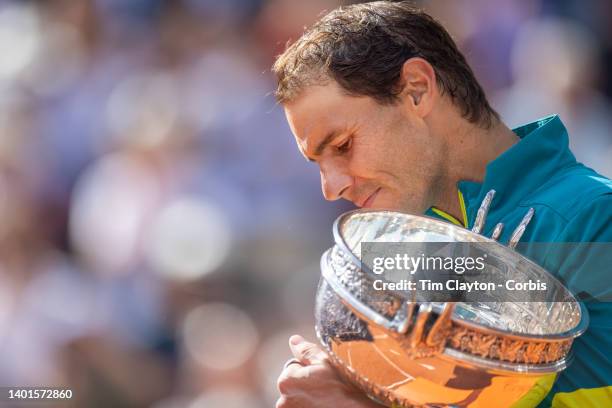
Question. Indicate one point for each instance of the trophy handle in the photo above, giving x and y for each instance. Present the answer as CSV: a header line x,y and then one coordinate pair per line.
x,y
481,217
400,322
419,336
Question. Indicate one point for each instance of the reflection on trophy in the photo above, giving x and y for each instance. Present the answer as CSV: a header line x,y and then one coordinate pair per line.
x,y
404,350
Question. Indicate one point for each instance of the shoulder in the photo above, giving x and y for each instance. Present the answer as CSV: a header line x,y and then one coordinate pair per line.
x,y
574,194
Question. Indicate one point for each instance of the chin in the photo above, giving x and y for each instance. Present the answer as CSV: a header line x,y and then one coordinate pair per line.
x,y
390,202
384,203
408,208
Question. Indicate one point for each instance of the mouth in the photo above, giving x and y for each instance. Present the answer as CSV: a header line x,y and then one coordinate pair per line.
x,y
368,202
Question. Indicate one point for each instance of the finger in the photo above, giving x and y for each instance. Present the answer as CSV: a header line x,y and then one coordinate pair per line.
x,y
306,352
292,360
289,379
281,403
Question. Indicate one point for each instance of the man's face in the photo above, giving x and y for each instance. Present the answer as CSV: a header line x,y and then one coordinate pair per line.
x,y
377,156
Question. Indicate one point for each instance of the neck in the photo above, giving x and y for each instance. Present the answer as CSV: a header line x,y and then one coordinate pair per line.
x,y
469,150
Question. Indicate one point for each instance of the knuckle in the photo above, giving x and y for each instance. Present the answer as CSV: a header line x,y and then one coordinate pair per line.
x,y
313,353
307,350
284,383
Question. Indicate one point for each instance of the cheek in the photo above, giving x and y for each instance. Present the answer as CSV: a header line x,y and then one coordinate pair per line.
x,y
417,155
398,156
374,166
361,161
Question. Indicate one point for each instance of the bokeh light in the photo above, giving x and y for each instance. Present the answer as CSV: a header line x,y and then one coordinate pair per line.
x,y
189,238
58,61
110,204
219,336
20,38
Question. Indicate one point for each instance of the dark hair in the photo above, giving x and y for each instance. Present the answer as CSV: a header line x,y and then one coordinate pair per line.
x,y
363,48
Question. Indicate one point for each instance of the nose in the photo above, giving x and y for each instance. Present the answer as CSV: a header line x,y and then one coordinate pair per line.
x,y
334,181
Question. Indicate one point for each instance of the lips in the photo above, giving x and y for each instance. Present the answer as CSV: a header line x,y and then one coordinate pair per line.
x,y
368,202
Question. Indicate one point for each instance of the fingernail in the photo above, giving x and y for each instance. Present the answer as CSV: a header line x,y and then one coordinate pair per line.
x,y
296,339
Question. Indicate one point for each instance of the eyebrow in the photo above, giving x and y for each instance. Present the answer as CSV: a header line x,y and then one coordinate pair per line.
x,y
326,141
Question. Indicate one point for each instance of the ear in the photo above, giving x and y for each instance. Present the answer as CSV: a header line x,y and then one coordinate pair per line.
x,y
420,88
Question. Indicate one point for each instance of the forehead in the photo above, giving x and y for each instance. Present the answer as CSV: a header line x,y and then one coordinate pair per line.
x,y
320,109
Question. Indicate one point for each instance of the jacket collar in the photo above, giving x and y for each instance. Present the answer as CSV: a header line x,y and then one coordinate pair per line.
x,y
521,170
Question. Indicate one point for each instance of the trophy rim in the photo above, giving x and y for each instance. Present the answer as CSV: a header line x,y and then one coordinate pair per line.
x,y
574,332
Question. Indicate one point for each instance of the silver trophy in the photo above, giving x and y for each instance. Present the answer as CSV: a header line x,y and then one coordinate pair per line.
x,y
406,351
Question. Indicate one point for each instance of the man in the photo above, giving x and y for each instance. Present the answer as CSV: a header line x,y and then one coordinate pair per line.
x,y
379,96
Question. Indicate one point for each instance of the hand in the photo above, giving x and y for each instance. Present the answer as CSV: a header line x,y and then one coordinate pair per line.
x,y
312,382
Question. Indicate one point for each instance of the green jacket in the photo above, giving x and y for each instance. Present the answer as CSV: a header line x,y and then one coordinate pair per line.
x,y
573,204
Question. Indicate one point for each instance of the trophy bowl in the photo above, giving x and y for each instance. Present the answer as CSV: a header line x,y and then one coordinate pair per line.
x,y
404,350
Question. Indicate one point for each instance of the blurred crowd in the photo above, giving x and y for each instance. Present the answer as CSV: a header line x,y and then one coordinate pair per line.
x,y
159,232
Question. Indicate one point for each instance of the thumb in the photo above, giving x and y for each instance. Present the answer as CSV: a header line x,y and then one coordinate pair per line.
x,y
308,353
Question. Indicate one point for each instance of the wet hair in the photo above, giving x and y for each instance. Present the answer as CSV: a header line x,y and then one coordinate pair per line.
x,y
363,47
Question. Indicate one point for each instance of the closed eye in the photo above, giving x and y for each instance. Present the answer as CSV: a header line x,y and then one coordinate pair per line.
x,y
345,146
